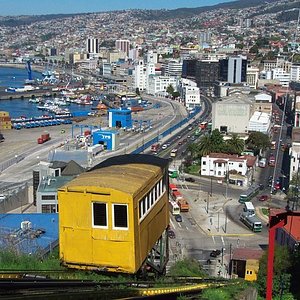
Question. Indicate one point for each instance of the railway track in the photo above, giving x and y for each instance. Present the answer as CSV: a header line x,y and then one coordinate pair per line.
x,y
40,285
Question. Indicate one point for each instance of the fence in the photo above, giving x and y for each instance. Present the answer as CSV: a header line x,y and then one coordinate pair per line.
x,y
166,132
16,198
10,162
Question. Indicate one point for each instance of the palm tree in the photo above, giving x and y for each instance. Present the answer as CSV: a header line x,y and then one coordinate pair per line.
x,y
235,144
205,145
194,149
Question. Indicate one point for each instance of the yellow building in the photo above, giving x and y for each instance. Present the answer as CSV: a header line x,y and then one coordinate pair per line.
x,y
245,263
5,120
113,216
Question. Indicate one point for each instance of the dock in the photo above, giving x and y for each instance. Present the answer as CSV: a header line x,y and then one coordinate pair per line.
x,y
26,95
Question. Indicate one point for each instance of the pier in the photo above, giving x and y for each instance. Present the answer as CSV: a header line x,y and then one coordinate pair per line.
x,y
26,95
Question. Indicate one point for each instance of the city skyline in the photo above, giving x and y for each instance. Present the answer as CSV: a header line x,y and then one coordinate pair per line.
x,y
37,7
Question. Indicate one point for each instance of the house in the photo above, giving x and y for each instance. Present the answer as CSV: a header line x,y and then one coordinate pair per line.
x,y
239,168
245,263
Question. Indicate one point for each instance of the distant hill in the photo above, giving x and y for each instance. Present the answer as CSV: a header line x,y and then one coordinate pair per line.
x,y
165,14
190,12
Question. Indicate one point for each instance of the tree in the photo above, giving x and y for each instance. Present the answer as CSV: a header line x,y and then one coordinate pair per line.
x,y
254,49
170,89
205,145
217,141
235,145
175,94
281,276
194,149
258,141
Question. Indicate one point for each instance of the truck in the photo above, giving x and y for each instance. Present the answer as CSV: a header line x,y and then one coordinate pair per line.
x,y
183,204
44,138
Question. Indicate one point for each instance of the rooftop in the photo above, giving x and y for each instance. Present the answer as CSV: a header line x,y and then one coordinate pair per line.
x,y
247,253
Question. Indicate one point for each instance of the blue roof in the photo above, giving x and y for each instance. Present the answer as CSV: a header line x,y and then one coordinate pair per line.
x,y
30,241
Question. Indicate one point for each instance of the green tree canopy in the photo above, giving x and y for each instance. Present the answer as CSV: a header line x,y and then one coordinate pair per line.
x,y
235,145
281,276
170,89
258,141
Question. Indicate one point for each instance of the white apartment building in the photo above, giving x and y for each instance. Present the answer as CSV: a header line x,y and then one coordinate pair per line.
x,y
92,45
282,76
172,68
140,76
261,122
295,72
295,153
152,57
123,45
159,84
150,70
252,76
190,93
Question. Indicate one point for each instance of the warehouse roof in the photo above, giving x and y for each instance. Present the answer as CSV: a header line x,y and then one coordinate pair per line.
x,y
128,173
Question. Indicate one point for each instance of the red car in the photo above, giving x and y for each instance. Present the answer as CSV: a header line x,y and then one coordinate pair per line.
x,y
263,198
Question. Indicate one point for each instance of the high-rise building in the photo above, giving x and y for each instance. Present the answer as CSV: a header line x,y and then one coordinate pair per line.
x,y
204,39
189,68
233,69
207,73
123,45
92,45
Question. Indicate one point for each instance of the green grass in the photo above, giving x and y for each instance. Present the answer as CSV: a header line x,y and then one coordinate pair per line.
x,y
187,267
265,211
193,169
229,292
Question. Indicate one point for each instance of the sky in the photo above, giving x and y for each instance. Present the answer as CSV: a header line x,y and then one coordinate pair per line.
x,y
44,7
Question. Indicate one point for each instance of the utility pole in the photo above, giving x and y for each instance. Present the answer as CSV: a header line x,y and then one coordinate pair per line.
x,y
218,221
230,261
225,225
207,203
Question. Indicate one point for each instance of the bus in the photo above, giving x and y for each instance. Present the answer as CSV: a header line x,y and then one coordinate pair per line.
x,y
203,125
251,221
173,173
174,152
249,194
249,208
174,208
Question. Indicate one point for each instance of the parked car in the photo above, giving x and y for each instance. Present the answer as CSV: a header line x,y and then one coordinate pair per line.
x,y
178,218
215,253
171,234
263,198
189,179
